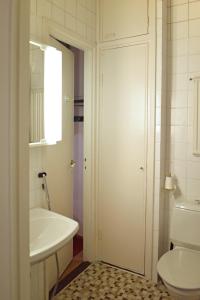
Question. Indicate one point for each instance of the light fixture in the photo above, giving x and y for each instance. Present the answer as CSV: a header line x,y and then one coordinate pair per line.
x,y
52,95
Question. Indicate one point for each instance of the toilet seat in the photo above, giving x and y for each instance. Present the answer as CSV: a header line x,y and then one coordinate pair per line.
x,y
181,268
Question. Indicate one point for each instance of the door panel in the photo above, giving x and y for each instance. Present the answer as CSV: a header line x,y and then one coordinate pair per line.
x,y
121,19
123,157
57,161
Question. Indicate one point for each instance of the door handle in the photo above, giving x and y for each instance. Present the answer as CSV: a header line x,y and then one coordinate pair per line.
x,y
142,168
72,163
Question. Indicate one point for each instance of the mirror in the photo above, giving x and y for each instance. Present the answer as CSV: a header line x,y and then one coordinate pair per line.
x,y
45,95
36,134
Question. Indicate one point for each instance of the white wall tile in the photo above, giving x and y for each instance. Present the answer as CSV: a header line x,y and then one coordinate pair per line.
x,y
180,151
178,47
90,33
178,2
33,7
194,45
70,7
170,135
179,13
70,22
194,26
180,134
58,3
183,62
179,64
179,99
194,63
181,187
190,156
81,28
194,10
179,169
190,117
58,15
82,13
179,116
193,188
179,30
44,9
193,170
79,16
36,165
178,82
189,135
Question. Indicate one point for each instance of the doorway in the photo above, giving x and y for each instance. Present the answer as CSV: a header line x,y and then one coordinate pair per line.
x,y
78,148
77,159
90,117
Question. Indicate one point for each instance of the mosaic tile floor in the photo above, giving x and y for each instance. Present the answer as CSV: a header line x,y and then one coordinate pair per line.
x,y
101,281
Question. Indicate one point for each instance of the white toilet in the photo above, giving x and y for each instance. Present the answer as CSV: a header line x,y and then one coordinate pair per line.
x,y
180,268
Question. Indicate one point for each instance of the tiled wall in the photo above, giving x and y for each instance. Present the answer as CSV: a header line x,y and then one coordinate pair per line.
x,y
76,16
183,63
36,194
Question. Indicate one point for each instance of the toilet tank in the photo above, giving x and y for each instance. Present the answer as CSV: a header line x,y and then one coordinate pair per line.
x,y
185,225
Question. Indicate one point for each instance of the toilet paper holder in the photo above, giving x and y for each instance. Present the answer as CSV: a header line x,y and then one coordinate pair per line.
x,y
169,183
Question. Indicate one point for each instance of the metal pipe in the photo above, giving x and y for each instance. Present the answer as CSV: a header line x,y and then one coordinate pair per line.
x,y
45,187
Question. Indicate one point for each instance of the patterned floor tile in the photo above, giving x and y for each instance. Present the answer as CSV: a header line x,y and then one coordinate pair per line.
x,y
101,281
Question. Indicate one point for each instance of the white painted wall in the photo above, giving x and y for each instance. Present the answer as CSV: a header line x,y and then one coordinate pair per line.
x,y
183,62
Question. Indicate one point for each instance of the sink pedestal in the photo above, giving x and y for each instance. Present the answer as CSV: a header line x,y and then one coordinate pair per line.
x,y
49,233
38,282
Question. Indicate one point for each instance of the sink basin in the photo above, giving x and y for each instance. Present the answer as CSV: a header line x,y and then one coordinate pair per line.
x,y
49,232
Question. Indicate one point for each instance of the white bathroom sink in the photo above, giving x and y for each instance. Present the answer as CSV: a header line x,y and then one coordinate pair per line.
x,y
49,232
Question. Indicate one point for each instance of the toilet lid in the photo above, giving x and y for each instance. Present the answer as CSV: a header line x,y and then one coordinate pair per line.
x,y
180,268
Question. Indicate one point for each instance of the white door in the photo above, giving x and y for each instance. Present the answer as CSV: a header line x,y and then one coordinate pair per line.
x,y
58,160
122,176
